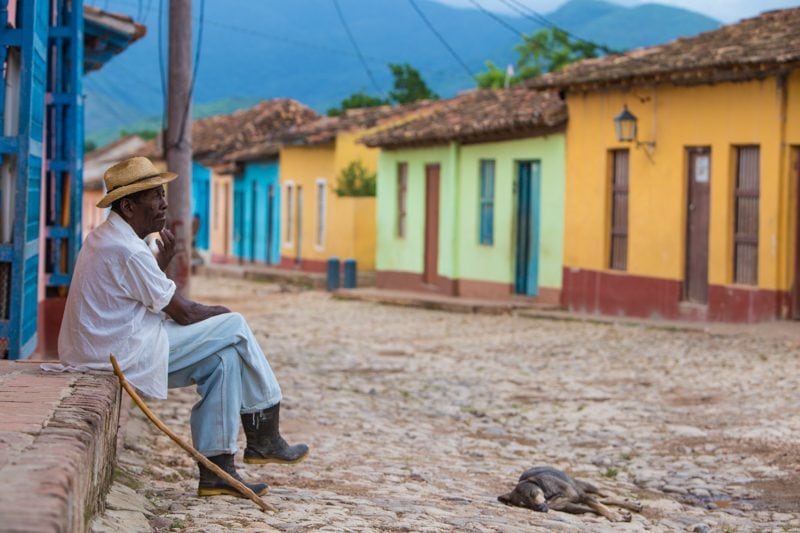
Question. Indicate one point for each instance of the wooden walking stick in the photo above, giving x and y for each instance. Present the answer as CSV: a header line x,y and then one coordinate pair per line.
x,y
238,485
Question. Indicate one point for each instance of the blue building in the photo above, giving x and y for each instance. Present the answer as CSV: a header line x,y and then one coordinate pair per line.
x,y
48,47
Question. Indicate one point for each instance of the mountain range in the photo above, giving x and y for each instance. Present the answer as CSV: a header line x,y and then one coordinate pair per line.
x,y
248,50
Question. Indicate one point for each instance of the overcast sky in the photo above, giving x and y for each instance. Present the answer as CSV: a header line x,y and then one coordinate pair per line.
x,y
724,10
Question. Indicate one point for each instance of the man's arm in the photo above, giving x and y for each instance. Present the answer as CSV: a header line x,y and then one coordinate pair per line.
x,y
185,311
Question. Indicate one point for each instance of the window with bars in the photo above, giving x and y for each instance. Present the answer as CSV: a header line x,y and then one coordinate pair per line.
x,y
322,196
402,198
289,213
745,230
619,210
486,202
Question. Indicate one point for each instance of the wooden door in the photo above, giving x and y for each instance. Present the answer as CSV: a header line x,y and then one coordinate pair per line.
x,y
527,257
697,220
430,274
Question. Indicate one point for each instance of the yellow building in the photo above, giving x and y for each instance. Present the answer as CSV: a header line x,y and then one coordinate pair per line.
x,y
317,223
693,214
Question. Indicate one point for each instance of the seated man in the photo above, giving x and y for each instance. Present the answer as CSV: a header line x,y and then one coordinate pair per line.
x,y
117,304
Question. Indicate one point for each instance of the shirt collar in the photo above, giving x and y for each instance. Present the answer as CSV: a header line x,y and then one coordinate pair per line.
x,y
121,225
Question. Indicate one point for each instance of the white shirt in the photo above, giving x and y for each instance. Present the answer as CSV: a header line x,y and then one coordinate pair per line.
x,y
114,307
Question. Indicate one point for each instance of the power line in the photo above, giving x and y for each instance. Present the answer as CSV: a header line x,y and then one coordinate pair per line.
x,y
537,17
355,46
496,18
441,39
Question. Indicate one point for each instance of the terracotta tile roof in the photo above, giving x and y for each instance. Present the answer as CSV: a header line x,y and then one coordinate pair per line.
x,y
214,138
753,48
323,130
478,116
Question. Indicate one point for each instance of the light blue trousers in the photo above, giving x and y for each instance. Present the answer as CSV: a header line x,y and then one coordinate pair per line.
x,y
222,357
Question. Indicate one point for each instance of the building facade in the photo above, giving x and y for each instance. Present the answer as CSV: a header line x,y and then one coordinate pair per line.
x,y
695,215
471,197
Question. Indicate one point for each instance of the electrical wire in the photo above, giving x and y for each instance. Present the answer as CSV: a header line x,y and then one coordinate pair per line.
x,y
537,17
496,18
441,38
355,46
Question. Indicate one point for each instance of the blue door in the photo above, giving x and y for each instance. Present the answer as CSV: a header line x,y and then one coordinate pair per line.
x,y
201,202
526,280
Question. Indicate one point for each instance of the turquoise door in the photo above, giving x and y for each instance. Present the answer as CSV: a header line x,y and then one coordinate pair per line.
x,y
527,258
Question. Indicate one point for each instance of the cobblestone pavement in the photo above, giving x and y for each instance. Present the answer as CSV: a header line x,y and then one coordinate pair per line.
x,y
418,420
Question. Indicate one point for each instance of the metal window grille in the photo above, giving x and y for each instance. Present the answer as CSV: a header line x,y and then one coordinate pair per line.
x,y
402,198
619,210
487,201
321,200
745,232
289,212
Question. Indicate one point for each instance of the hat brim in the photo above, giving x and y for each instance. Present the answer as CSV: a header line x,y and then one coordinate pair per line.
x,y
121,192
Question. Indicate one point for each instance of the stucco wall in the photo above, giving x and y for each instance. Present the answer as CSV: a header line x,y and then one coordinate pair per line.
x,y
720,117
461,256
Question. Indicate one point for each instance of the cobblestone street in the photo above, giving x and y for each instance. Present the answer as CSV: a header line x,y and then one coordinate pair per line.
x,y
418,420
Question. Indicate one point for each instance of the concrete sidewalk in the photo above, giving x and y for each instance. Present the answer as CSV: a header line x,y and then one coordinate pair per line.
x,y
58,437
788,330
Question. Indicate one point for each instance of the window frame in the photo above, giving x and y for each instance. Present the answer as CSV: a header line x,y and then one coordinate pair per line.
x,y
742,193
619,229
289,188
322,213
486,197
402,199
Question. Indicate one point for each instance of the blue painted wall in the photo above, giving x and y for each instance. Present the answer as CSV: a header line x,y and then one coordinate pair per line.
x,y
256,219
201,202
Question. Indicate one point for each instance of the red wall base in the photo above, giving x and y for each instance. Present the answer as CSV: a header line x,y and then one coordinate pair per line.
x,y
306,265
51,311
621,294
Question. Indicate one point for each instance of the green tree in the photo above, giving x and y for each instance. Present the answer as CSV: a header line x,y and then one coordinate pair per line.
x,y
144,134
88,146
408,85
355,101
355,180
544,51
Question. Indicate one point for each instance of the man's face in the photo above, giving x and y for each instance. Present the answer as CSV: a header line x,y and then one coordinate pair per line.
x,y
148,211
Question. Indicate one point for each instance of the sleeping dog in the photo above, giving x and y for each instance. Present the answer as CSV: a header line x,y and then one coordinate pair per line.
x,y
544,487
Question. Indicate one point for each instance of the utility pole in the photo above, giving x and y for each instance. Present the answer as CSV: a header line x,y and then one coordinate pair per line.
x,y
178,140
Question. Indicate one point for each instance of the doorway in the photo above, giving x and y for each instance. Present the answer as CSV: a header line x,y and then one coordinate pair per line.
x,y
526,278
695,288
430,275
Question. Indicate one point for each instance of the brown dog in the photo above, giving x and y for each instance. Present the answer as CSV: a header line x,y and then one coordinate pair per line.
x,y
544,487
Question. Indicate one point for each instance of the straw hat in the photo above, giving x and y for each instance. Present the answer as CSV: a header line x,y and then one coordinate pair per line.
x,y
130,176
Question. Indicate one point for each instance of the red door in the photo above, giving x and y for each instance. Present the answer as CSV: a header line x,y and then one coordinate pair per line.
x,y
697,218
431,223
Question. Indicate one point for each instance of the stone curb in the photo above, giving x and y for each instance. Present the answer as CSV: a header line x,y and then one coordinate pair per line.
x,y
59,480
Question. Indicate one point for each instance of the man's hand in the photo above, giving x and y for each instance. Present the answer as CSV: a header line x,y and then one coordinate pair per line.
x,y
185,311
166,248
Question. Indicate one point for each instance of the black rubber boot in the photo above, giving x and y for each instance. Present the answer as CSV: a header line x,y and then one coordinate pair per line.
x,y
264,441
212,485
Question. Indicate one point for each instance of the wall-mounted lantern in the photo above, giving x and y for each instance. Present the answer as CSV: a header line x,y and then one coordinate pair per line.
x,y
625,124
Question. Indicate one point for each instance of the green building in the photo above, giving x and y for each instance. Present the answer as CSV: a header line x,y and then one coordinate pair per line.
x,y
470,197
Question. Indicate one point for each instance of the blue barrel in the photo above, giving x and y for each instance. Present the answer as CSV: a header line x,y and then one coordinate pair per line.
x,y
349,273
333,274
